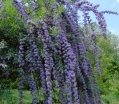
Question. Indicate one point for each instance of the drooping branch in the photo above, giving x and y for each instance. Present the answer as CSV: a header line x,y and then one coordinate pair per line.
x,y
62,58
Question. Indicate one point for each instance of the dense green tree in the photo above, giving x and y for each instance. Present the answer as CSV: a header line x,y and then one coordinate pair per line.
x,y
109,61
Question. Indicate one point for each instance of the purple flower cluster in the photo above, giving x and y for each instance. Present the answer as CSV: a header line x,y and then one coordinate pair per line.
x,y
85,7
69,67
20,9
96,54
48,46
61,59
109,12
21,65
32,66
33,88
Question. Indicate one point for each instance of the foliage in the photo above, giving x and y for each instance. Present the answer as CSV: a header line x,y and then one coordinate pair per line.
x,y
10,23
110,69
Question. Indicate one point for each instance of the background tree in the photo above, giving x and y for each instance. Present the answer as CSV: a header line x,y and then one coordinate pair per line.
x,y
110,68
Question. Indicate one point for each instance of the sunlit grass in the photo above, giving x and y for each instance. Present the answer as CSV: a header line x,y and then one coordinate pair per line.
x,y
12,97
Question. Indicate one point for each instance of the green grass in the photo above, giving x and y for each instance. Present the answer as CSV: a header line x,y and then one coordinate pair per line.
x,y
12,97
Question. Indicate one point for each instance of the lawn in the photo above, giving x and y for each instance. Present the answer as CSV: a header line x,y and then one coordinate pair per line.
x,y
12,97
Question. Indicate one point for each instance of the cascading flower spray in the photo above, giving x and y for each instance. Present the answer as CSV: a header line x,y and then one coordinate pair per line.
x,y
62,58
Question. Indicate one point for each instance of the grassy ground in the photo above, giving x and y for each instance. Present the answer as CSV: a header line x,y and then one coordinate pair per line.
x,y
11,97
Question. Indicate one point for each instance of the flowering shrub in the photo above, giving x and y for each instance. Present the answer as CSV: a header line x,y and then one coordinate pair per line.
x,y
53,51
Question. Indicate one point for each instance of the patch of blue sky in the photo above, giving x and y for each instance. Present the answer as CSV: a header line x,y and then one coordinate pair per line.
x,y
111,20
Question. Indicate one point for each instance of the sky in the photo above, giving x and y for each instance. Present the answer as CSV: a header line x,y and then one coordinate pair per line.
x,y
111,20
